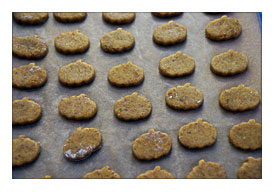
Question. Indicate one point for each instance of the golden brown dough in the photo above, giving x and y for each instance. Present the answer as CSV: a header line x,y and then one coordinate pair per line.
x,y
156,173
70,17
119,17
104,173
30,18
166,14
251,169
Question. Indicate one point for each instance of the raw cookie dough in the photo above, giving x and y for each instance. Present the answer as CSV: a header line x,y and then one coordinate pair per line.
x,y
28,76
29,47
72,42
82,143
119,17
24,150
152,145
170,33
229,63
197,134
207,170
156,173
126,75
166,14
104,173
177,65
31,18
239,98
184,97
70,17
251,169
132,107
117,41
247,135
25,111
223,28
77,107
76,73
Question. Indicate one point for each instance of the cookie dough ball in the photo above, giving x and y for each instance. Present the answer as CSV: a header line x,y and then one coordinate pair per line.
x,y
70,17
152,145
104,173
166,14
251,169
119,17
30,18
156,173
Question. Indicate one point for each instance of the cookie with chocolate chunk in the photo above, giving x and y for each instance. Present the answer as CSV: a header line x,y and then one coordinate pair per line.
x,y
104,173
156,173
251,169
119,17
30,18
70,17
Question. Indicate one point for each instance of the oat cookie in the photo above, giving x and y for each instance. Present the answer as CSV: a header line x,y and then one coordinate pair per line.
x,y
197,134
184,97
126,75
239,98
119,17
82,143
76,73
177,65
170,33
104,173
72,42
132,107
44,177
25,111
70,17
28,76
152,145
117,41
24,150
156,173
223,28
247,135
251,169
31,18
77,107
166,14
29,47
207,170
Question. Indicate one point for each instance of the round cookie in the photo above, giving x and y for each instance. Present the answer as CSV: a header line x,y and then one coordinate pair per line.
x,y
170,33
82,143
72,42
28,76
119,17
177,65
207,170
166,14
247,135
223,28
25,111
250,169
184,97
152,145
126,75
29,47
117,41
156,173
70,17
77,107
197,134
104,173
132,107
30,18
239,98
76,73
24,150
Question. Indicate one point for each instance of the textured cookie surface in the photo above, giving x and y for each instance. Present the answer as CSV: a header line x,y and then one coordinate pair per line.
x,y
125,75
152,145
132,107
68,17
156,173
25,111
119,17
76,73
72,42
239,98
29,47
104,173
207,170
177,65
77,107
117,41
251,169
24,150
229,63
28,76
197,134
166,14
82,143
170,33
184,97
31,17
223,28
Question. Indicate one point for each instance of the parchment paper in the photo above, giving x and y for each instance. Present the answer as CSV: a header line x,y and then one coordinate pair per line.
x,y
52,130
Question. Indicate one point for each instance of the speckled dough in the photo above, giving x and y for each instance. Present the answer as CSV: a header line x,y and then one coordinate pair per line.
x,y
251,169
31,18
197,134
24,150
25,111
119,17
125,75
152,145
223,28
166,14
132,107
82,143
77,107
239,98
156,173
104,173
69,17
